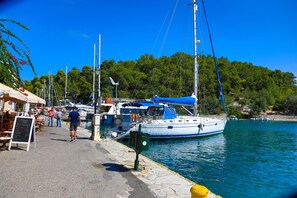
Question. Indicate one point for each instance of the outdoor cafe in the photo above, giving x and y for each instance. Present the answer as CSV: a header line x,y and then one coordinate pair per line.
x,y
17,103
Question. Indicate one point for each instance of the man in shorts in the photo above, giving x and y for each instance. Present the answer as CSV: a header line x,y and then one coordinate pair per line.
x,y
74,119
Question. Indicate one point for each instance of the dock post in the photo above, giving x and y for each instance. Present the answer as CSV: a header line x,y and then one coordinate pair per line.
x,y
96,127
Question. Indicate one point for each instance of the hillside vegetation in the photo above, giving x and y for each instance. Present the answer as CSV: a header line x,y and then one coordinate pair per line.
x,y
244,84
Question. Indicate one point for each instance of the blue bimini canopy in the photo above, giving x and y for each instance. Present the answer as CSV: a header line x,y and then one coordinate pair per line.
x,y
186,101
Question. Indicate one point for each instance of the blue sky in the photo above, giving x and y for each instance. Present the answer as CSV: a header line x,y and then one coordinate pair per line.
x,y
62,32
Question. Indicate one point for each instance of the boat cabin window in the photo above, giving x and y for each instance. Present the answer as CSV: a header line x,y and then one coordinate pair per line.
x,y
132,111
155,111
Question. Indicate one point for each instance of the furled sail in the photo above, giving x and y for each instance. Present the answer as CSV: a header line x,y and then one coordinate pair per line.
x,y
186,101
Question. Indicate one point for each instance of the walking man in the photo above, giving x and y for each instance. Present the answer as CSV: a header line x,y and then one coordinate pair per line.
x,y
74,119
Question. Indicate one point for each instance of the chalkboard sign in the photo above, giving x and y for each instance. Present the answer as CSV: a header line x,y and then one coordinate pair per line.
x,y
23,131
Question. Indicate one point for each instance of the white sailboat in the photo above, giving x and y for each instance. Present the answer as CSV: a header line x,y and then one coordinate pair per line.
x,y
162,121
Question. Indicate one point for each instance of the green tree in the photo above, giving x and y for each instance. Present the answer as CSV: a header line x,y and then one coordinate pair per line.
x,y
291,104
14,53
250,85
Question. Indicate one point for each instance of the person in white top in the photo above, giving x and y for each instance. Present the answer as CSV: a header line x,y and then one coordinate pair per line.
x,y
59,117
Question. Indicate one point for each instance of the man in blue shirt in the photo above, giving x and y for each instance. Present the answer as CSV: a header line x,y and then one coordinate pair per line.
x,y
74,119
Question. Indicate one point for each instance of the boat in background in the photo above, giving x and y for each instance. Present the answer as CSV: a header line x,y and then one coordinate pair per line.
x,y
110,109
131,113
66,106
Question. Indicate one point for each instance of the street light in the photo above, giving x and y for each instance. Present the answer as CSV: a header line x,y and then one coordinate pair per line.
x,y
116,84
94,128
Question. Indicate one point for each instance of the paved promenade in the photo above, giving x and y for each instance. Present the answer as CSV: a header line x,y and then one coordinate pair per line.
x,y
84,168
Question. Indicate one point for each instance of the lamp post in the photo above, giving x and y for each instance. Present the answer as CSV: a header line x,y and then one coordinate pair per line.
x,y
96,118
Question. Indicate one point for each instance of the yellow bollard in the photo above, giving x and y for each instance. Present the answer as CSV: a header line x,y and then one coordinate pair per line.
x,y
198,191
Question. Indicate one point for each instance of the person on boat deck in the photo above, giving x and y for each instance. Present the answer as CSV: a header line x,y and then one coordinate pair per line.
x,y
74,119
59,117
151,111
51,114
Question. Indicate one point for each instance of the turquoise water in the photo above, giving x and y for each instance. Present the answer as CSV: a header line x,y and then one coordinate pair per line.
x,y
250,159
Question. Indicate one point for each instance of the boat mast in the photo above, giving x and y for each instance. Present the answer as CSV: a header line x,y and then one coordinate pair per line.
x,y
65,95
44,90
196,65
99,66
94,72
49,88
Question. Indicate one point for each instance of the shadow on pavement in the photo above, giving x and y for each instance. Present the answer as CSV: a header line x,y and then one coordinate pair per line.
x,y
61,140
83,138
115,167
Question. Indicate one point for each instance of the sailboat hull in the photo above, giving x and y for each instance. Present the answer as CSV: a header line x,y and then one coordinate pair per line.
x,y
178,128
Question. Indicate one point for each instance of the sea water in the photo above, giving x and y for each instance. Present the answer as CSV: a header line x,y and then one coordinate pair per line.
x,y
250,159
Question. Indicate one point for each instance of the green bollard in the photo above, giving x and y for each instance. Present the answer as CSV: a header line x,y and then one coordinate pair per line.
x,y
136,162
141,143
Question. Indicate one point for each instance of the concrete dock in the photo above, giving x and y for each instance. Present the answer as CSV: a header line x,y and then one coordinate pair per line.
x,y
84,168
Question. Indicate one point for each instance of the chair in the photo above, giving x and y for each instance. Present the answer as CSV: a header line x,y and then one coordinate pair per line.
x,y
5,137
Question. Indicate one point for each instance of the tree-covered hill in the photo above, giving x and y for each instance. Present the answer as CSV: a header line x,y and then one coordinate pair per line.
x,y
244,84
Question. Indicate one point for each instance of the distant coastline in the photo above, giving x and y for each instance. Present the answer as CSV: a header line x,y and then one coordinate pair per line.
x,y
277,117
286,118
280,118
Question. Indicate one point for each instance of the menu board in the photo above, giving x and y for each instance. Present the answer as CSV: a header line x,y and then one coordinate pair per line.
x,y
23,131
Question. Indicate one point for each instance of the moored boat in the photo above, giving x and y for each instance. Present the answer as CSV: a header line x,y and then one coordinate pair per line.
x,y
162,120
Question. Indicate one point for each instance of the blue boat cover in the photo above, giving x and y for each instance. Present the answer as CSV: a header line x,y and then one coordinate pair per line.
x,y
188,100
169,113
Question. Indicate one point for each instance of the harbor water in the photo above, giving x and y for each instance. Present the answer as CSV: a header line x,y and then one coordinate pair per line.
x,y
250,159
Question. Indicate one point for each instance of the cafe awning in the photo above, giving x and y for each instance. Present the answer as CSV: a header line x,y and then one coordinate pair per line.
x,y
32,98
10,94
